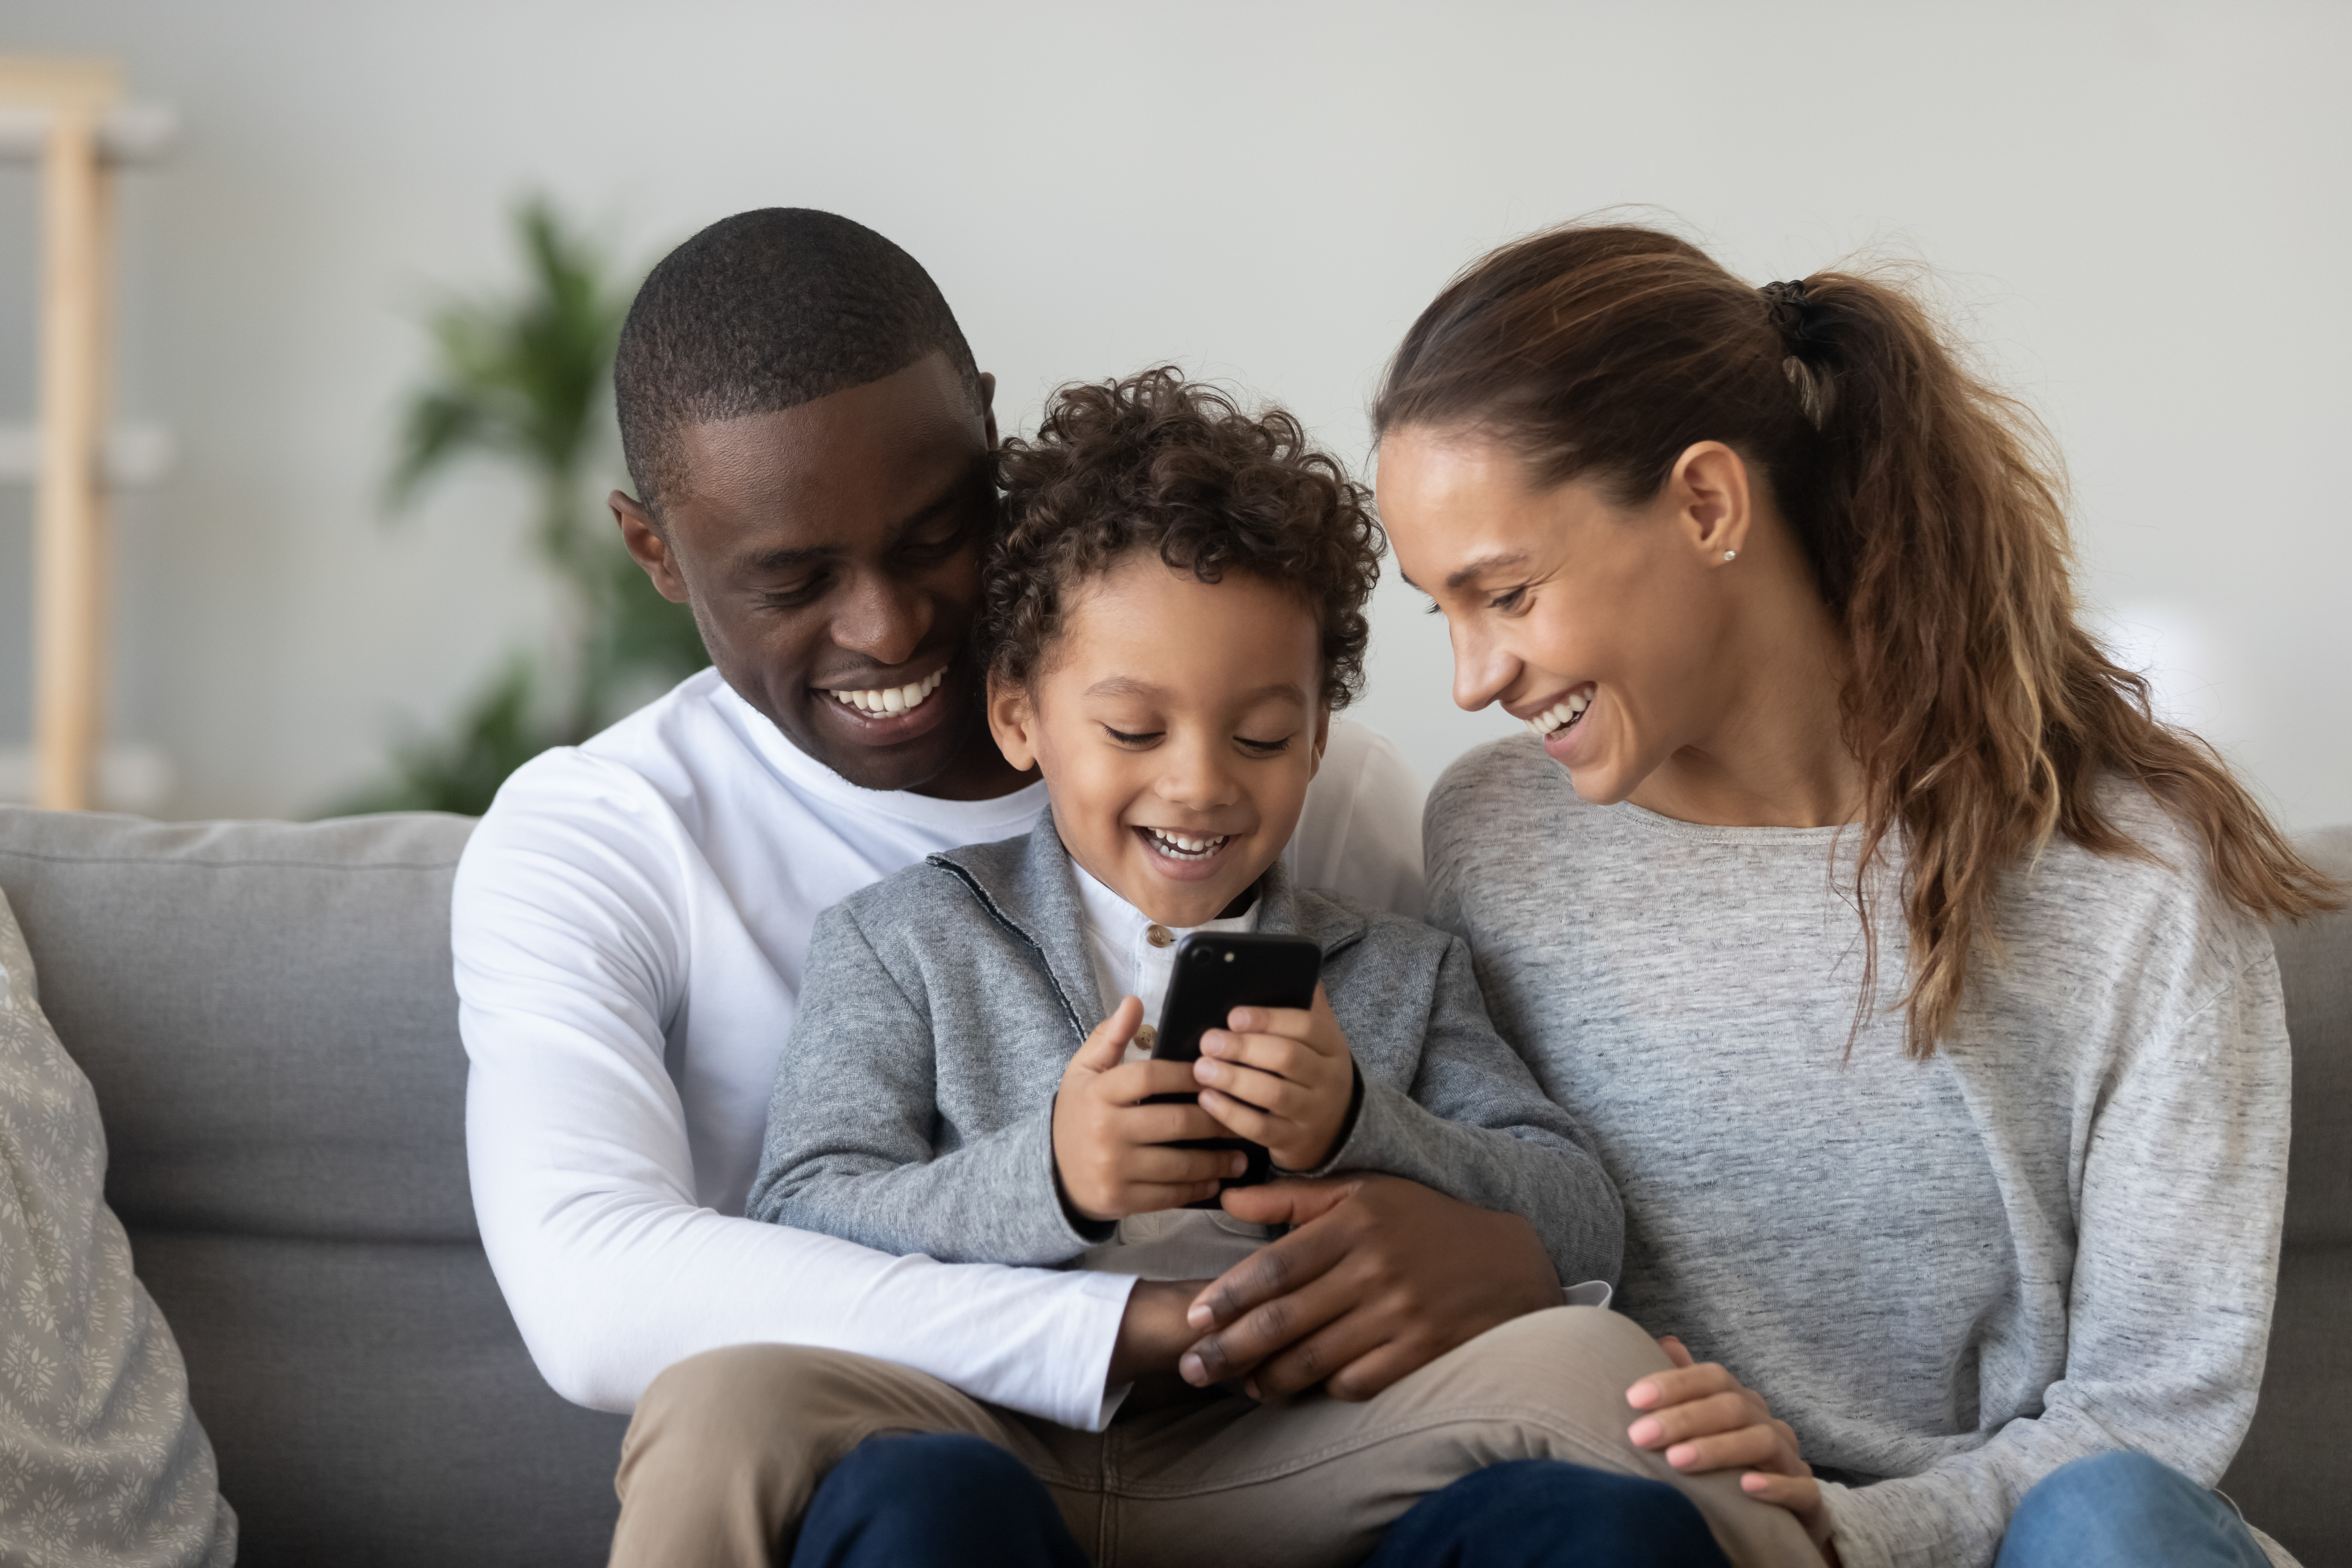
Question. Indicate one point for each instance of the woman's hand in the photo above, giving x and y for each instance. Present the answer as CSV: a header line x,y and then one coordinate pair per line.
x,y
1706,1419
1282,1076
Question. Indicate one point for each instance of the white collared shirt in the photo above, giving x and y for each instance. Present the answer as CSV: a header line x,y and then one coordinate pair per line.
x,y
629,925
1134,955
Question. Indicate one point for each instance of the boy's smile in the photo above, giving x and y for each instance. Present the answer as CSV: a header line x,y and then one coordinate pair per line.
x,y
830,552
1178,723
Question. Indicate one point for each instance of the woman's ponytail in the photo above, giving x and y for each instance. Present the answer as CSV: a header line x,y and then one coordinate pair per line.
x,y
1932,509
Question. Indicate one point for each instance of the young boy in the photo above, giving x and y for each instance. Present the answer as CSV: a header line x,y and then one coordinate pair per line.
x,y
1172,612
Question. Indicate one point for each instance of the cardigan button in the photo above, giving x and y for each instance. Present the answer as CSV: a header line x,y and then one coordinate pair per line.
x,y
1146,1036
1159,935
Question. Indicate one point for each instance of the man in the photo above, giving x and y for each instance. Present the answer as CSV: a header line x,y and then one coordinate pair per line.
x,y
809,437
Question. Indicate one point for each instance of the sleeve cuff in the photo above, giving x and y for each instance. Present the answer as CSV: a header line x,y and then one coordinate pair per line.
x,y
1072,1231
1344,1155
1100,1308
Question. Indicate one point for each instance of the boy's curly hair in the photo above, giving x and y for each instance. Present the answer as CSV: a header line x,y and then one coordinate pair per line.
x,y
1155,462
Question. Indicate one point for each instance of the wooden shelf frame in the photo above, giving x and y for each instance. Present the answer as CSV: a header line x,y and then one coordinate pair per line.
x,y
71,113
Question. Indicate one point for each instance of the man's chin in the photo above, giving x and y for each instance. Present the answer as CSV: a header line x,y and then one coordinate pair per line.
x,y
905,765
893,751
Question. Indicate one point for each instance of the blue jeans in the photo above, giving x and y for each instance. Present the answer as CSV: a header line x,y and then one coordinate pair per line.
x,y
940,1499
2125,1511
1543,1513
934,1499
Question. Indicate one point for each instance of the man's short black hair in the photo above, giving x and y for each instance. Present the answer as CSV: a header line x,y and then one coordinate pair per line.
x,y
763,311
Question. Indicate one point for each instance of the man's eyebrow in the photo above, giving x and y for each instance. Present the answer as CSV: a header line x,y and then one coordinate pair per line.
x,y
946,500
1480,567
785,558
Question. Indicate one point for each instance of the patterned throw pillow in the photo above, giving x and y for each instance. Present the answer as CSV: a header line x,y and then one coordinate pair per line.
x,y
101,1460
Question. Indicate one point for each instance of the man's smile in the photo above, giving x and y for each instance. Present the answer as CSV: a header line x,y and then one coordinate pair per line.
x,y
890,700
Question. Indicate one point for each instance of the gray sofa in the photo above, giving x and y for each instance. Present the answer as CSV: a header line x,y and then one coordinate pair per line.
x,y
266,1012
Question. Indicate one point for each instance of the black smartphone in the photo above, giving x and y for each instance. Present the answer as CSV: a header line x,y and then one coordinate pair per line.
x,y
1216,972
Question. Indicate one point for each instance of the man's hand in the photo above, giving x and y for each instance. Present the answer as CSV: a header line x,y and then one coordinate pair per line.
x,y
1152,1333
1108,1144
1282,1076
1706,1419
1382,1278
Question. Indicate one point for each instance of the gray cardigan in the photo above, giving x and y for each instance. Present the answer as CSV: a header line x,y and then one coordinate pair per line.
x,y
913,1104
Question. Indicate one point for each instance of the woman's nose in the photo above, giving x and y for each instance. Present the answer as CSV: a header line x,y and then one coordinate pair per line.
x,y
1483,670
882,619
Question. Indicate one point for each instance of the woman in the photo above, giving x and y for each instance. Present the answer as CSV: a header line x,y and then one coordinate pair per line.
x,y
1909,975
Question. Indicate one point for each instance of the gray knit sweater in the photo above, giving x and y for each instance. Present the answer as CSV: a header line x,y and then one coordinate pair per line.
x,y
914,1104
2057,1236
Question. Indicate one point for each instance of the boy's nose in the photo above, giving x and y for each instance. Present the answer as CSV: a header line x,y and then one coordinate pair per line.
x,y
1192,779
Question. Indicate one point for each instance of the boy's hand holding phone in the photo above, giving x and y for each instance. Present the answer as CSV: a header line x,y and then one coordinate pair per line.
x,y
1282,1076
1108,1146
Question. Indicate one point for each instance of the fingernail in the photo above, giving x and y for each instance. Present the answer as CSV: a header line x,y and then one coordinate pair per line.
x,y
1682,1454
1753,1481
1250,1388
1212,1044
1642,1432
1641,1396
1194,1371
1198,1316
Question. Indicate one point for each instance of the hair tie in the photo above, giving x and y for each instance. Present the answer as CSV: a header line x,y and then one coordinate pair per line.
x,y
1789,310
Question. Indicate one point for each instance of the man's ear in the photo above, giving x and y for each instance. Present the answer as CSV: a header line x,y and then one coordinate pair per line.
x,y
1713,507
648,544
988,406
1013,720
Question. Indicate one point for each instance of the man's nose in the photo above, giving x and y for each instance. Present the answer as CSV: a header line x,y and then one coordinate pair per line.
x,y
883,620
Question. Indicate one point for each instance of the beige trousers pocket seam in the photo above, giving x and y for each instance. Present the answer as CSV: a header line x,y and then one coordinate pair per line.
x,y
1533,1419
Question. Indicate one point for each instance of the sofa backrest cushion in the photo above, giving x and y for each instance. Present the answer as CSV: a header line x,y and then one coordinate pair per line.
x,y
2315,962
266,1012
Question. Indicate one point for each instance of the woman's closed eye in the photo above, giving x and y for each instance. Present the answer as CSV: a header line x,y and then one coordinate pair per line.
x,y
1510,601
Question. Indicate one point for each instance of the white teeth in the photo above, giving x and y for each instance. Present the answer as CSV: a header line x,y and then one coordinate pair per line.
x,y
892,700
1182,848
1559,715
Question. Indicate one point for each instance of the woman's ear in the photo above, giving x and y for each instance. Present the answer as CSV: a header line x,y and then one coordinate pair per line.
x,y
1708,492
1013,720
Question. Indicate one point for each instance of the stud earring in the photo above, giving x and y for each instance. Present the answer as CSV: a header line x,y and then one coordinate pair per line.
x,y
1731,555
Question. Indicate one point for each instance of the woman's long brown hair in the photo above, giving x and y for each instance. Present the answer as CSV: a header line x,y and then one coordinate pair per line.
x,y
1932,511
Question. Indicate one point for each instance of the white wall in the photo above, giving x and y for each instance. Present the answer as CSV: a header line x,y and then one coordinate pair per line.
x,y
2143,210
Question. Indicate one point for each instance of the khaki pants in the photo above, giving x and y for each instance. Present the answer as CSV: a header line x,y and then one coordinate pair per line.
x,y
727,1448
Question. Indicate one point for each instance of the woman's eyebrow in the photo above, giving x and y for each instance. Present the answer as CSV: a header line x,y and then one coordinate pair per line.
x,y
1483,565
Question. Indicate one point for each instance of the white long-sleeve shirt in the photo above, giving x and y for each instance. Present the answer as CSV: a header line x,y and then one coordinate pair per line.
x,y
628,925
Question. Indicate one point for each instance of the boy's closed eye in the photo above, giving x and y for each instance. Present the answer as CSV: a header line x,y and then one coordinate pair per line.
x,y
1140,739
